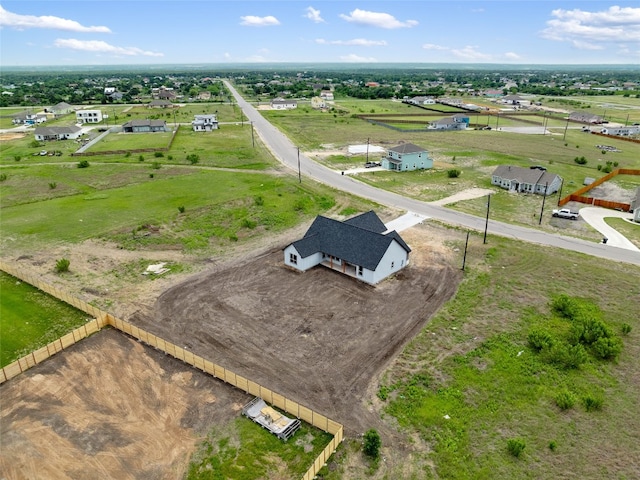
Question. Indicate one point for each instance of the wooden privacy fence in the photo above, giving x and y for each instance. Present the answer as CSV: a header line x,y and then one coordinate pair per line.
x,y
577,196
103,319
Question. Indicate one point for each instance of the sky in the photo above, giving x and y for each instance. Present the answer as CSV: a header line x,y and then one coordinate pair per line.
x,y
139,32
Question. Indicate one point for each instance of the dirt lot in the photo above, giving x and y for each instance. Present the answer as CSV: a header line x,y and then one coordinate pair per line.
x,y
108,407
317,337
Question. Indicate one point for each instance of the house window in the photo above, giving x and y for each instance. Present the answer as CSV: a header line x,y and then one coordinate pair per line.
x,y
393,264
360,270
293,258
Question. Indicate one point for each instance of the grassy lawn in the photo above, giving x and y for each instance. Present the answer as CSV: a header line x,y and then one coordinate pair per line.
x,y
29,319
244,450
470,381
131,141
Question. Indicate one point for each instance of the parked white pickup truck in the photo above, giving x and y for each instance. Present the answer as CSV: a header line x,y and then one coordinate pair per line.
x,y
566,213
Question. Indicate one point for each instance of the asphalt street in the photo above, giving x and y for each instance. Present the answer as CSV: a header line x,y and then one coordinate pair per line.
x,y
289,154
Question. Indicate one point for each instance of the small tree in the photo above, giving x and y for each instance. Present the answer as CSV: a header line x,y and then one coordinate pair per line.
x,y
62,265
453,173
372,443
83,164
17,158
193,158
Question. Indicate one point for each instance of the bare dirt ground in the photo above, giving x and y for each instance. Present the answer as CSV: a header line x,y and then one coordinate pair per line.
x,y
109,407
318,337
6,136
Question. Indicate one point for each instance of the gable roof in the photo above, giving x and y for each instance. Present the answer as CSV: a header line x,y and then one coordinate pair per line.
x,y
145,123
524,175
407,148
56,130
352,240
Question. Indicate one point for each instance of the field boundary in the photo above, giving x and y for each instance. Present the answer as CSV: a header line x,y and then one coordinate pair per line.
x,y
103,319
577,196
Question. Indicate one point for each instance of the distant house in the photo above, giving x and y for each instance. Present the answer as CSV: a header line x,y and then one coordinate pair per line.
x,y
360,247
422,100
318,102
282,104
159,104
88,116
164,93
44,134
405,157
327,95
585,117
205,123
455,122
526,180
61,108
622,131
145,126
205,95
514,100
28,118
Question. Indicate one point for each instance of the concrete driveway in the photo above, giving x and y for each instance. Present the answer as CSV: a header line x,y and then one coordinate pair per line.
x,y
595,216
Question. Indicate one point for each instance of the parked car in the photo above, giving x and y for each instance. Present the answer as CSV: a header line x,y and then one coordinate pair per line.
x,y
372,164
566,213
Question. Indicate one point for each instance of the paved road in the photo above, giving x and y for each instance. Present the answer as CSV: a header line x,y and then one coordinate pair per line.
x,y
287,153
595,216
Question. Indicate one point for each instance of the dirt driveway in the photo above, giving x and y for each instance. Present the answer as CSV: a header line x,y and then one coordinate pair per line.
x,y
318,337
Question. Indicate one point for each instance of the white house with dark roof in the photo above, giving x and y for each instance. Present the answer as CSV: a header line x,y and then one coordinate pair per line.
x,y
360,247
526,180
282,104
455,122
406,157
145,126
205,123
44,134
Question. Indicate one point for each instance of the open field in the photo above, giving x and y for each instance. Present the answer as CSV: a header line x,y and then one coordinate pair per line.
x,y
131,141
29,319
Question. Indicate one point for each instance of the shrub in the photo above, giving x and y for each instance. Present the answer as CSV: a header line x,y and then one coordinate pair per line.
x,y
158,154
453,173
62,265
599,167
170,157
52,185
3,177
553,445
580,160
592,402
193,158
151,175
233,237
141,158
615,164
565,400
607,169
156,165
539,339
607,348
181,209
372,443
83,164
626,329
516,446
17,158
259,200
34,143
127,155
248,223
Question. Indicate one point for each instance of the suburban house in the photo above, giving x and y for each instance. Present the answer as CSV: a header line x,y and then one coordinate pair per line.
x,y
27,118
282,104
622,131
585,117
159,104
144,126
88,116
61,108
318,103
205,95
514,100
405,157
327,94
205,123
360,247
44,134
455,122
421,100
526,180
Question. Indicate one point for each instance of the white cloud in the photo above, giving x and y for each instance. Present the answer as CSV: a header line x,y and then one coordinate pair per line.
x,y
314,15
470,53
23,22
360,42
376,19
253,21
98,46
587,30
357,59
512,56
431,46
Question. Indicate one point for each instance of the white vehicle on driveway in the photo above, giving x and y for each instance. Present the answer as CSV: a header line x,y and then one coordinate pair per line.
x,y
566,213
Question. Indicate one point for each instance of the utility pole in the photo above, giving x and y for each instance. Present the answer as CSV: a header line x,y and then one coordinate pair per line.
x,y
253,143
464,259
566,125
486,223
299,174
367,149
544,196
560,193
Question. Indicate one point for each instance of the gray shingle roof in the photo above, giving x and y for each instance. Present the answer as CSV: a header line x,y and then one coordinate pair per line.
x,y
524,175
407,148
56,130
351,240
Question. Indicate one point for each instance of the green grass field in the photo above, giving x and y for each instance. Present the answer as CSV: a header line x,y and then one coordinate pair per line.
x,y
29,319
